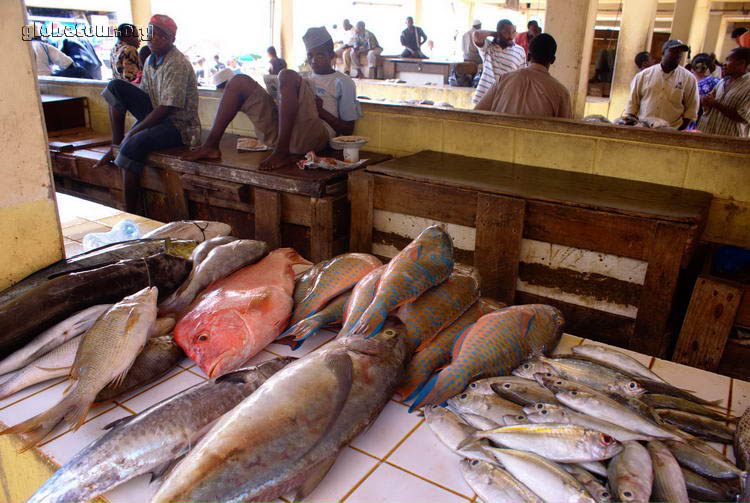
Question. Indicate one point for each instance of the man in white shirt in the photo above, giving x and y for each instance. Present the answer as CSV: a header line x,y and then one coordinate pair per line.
x,y
46,55
500,56
470,51
665,91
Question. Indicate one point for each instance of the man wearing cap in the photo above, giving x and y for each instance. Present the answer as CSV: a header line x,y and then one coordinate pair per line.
x,y
311,110
471,53
665,91
165,106
727,107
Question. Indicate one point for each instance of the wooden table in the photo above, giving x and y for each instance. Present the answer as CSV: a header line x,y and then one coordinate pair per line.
x,y
393,66
507,202
65,112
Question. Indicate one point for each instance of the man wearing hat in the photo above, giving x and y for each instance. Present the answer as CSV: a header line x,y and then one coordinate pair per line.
x,y
165,106
471,53
311,110
665,91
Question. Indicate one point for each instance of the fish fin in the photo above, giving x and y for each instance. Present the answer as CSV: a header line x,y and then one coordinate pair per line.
x,y
118,422
314,476
158,473
52,369
422,392
459,340
475,438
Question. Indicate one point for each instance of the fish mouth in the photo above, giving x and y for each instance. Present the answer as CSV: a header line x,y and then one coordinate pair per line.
x,y
216,367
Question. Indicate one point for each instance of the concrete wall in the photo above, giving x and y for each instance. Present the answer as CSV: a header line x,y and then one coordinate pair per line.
x,y
28,214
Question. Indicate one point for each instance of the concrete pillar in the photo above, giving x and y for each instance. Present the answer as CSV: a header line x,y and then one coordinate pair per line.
x,y
683,19
635,36
419,12
724,42
699,26
283,31
712,33
141,10
571,22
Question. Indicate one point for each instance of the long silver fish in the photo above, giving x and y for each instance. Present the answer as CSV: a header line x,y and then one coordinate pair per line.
x,y
484,386
53,337
599,377
703,460
54,364
197,230
480,422
552,413
669,484
491,407
530,367
151,440
600,493
700,488
700,426
617,359
595,467
494,484
526,393
630,474
453,431
660,401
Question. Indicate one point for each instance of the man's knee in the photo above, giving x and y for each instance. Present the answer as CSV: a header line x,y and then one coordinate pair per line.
x,y
288,78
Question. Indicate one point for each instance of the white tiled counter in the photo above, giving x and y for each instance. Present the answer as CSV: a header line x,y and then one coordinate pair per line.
x,y
397,459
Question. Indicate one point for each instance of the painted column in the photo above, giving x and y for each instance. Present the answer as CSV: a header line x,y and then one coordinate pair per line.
x,y
141,10
571,22
683,19
699,26
635,36
713,31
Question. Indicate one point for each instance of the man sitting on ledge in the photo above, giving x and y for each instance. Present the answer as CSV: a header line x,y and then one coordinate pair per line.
x,y
311,110
165,106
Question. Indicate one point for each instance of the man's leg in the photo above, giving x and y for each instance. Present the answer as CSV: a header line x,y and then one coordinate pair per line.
x,y
372,62
347,61
354,58
123,97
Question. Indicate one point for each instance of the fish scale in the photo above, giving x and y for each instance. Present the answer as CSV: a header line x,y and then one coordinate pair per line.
x,y
494,345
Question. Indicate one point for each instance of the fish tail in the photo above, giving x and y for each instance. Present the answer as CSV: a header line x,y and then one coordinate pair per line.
x,y
305,328
441,386
370,323
413,384
9,384
421,392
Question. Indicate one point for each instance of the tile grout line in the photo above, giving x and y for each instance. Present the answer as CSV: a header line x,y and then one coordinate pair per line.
x,y
127,408
32,394
408,434
426,480
70,429
363,452
196,374
729,398
155,385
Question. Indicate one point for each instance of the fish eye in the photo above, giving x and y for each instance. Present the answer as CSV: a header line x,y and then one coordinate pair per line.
x,y
632,385
474,462
559,383
520,418
540,406
203,337
473,385
545,411
506,386
606,439
463,396
573,392
627,494
604,495
526,366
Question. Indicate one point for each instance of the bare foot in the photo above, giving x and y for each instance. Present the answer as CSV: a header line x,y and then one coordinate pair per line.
x,y
275,161
203,152
107,159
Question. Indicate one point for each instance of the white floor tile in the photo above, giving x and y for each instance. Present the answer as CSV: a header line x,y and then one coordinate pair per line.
x,y
162,391
387,430
389,484
32,405
349,468
24,393
567,341
703,384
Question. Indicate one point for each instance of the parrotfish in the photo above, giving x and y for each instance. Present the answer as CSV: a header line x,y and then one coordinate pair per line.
x,y
236,317
437,308
425,262
332,313
338,276
492,346
305,282
438,352
360,299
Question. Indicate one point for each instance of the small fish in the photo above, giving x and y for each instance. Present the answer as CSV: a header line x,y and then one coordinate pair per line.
x,y
494,484
453,431
616,359
362,295
494,345
669,484
600,493
203,249
53,337
425,262
220,262
594,467
527,369
337,276
563,443
480,422
742,441
660,401
592,374
526,393
700,488
438,352
485,386
196,230
703,459
513,420
700,426
488,406
630,474
542,476
105,354
331,314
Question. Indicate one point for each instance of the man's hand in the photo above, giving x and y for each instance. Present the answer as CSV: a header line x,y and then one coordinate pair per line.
x,y
319,104
708,101
275,161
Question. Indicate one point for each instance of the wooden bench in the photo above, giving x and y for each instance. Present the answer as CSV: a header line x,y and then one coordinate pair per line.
x,y
339,65
65,112
393,67
505,203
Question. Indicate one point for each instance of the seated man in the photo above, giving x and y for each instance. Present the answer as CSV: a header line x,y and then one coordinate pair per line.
x,y
727,107
530,91
311,110
363,42
412,39
165,105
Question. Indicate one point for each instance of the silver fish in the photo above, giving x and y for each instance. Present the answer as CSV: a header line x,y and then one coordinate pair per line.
x,y
530,367
630,474
616,359
491,407
494,484
52,337
453,431
512,420
703,459
669,484
600,493
595,467
700,488
526,393
599,377
552,413
148,442
700,426
484,386
660,401
480,422
197,230
54,364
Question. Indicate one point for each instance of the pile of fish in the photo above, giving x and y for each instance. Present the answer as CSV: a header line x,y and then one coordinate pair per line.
x,y
593,426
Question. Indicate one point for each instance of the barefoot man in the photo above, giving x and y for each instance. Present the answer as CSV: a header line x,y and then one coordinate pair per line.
x,y
311,110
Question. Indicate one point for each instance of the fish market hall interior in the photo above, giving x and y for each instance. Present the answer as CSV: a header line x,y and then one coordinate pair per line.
x,y
406,250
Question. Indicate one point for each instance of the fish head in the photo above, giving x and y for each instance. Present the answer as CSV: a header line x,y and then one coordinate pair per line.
x,y
604,446
482,386
476,471
148,296
575,397
629,387
514,419
530,367
546,413
216,343
460,401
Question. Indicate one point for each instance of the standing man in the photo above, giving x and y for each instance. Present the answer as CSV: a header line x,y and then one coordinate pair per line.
x,y
412,39
126,65
470,51
525,38
165,105
363,42
530,91
726,110
499,56
665,91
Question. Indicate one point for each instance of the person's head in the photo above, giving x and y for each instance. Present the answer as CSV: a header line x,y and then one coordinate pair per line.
x,y
672,52
700,65
320,53
163,32
409,22
272,52
128,34
737,62
216,58
143,54
533,28
360,28
737,33
347,25
506,32
542,49
643,60
476,24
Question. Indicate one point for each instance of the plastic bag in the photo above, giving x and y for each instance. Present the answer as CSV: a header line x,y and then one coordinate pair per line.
x,y
124,230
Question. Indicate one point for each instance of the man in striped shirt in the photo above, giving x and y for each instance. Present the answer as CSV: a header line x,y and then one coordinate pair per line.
x,y
499,56
727,107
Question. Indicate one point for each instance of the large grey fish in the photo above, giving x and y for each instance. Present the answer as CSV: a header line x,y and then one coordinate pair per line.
x,y
669,484
105,354
703,459
630,474
491,407
563,443
700,488
542,476
54,364
494,484
220,262
552,413
526,393
700,426
600,493
197,230
453,432
286,435
616,359
99,257
599,377
53,337
151,440
660,401
742,441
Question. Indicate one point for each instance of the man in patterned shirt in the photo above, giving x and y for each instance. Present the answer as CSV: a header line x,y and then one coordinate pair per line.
x,y
165,105
727,107
124,56
499,56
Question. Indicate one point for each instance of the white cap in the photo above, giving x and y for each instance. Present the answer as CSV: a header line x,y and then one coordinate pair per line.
x,y
222,76
476,22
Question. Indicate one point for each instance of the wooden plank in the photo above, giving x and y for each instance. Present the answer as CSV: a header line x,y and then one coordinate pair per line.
x,y
321,230
499,225
267,216
665,249
215,187
295,209
743,312
707,324
361,189
734,360
176,200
